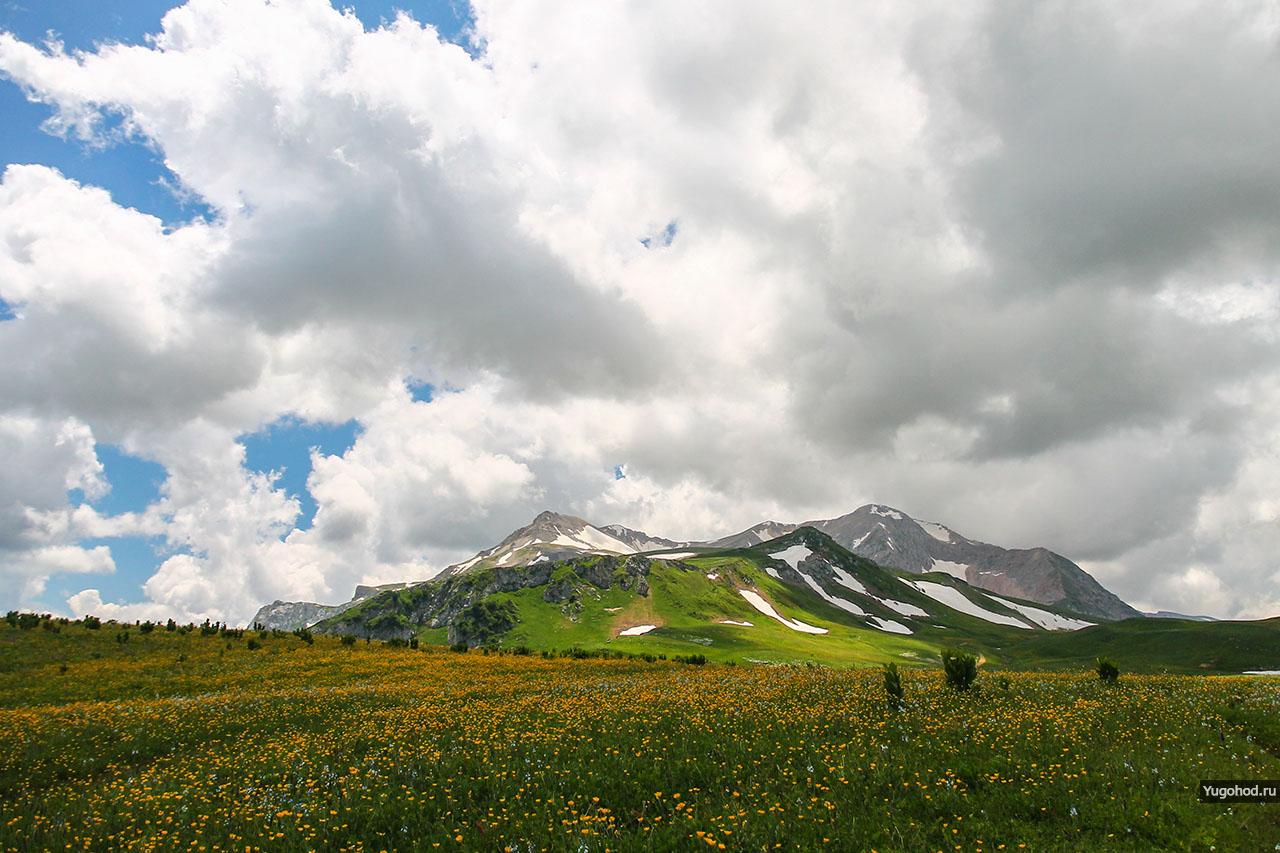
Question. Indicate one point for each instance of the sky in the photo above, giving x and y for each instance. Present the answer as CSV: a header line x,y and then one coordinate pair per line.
x,y
295,296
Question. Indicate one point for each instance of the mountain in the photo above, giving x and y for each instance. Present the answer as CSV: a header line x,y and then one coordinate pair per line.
x,y
639,540
1169,614
799,597
890,537
292,615
880,533
552,536
754,535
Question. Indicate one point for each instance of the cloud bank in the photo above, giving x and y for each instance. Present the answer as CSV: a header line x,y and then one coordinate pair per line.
x,y
1009,267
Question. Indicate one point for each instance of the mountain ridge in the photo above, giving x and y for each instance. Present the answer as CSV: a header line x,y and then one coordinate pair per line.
x,y
878,532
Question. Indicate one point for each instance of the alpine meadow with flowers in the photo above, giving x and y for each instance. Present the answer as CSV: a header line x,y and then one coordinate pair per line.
x,y
199,738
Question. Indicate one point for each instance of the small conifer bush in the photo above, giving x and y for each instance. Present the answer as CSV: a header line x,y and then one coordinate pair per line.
x,y
961,668
1108,672
892,686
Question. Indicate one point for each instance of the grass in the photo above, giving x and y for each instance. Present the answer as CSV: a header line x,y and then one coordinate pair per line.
x,y
1173,645
688,608
176,740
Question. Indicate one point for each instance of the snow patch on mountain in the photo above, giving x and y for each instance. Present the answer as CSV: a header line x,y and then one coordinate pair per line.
x,y
956,570
956,600
902,607
937,531
793,556
766,608
636,631
833,600
890,626
847,580
1044,618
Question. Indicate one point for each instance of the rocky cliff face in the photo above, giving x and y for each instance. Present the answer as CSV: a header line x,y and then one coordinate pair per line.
x,y
292,615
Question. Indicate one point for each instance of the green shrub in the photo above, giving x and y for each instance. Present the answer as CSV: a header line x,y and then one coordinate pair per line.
x,y
305,636
960,668
1108,672
696,660
27,621
147,627
171,625
253,645
461,648
893,686
348,639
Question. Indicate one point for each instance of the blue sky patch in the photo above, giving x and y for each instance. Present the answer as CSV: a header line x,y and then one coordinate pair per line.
x,y
450,18
6,311
285,446
421,392
663,238
135,482
136,559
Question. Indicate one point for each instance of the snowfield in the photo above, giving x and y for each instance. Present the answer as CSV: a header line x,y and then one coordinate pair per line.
x,y
890,626
849,581
793,556
954,599
831,599
956,570
767,609
1044,618
937,531
902,607
636,631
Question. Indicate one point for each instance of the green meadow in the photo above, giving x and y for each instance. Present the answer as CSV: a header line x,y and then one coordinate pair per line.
x,y
182,740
